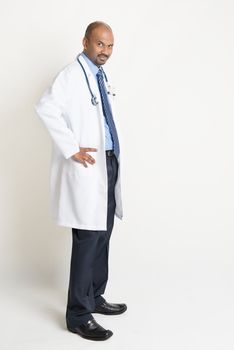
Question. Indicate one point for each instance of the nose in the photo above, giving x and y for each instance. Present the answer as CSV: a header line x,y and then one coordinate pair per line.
x,y
105,50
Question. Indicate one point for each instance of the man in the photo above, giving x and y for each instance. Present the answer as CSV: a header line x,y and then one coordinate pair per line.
x,y
78,110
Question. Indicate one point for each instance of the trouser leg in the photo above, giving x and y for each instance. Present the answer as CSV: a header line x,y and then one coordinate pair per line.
x,y
80,293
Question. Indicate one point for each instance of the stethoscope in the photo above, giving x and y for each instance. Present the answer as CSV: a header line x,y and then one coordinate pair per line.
x,y
94,97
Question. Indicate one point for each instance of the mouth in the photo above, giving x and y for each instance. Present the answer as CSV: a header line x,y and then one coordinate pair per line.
x,y
103,57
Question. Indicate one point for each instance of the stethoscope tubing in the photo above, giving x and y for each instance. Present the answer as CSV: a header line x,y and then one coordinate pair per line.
x,y
93,97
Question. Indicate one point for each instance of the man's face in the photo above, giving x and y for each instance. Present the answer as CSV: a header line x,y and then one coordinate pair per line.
x,y
98,47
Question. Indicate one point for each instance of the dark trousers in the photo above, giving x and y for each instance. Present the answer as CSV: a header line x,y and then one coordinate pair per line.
x,y
89,260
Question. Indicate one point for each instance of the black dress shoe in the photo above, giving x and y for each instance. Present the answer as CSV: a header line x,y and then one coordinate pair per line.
x,y
110,309
91,330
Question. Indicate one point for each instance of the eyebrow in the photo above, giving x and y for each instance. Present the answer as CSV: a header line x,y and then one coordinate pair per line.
x,y
99,41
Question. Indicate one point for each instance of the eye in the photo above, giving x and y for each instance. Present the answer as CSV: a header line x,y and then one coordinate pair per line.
x,y
100,44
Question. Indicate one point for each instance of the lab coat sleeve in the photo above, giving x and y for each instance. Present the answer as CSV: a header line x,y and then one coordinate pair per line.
x,y
51,108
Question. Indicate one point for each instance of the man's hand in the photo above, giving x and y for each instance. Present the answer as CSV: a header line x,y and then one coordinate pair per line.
x,y
84,157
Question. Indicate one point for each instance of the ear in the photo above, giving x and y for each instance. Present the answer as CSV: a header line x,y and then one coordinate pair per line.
x,y
85,41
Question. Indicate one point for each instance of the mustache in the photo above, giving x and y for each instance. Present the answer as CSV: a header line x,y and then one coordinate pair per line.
x,y
103,55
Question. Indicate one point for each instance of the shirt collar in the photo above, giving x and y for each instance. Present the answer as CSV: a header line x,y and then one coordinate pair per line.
x,y
94,69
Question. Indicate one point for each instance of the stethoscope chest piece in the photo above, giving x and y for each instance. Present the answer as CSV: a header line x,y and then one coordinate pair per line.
x,y
94,100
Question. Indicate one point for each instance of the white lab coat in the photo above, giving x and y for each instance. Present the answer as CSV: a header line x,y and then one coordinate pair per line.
x,y
78,194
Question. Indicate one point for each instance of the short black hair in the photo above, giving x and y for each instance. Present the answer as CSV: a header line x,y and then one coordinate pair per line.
x,y
93,26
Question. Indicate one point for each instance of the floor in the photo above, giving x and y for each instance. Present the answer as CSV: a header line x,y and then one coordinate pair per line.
x,y
168,310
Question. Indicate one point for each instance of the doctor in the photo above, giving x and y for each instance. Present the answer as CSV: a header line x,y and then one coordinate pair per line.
x,y
78,111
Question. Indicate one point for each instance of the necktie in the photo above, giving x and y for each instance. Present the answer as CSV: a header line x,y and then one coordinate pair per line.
x,y
107,112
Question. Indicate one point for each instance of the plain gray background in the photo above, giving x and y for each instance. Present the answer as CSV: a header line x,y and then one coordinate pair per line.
x,y
171,258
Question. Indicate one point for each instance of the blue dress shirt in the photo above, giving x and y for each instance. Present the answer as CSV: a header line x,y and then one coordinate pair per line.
x,y
94,69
